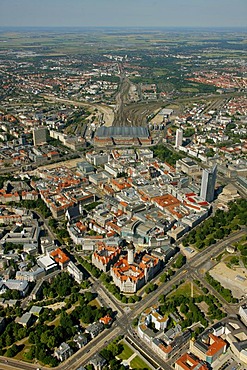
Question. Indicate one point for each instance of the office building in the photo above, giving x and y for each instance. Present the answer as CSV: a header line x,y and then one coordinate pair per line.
x,y
179,138
208,184
208,347
39,135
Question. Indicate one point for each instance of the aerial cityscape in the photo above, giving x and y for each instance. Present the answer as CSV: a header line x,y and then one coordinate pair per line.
x,y
123,187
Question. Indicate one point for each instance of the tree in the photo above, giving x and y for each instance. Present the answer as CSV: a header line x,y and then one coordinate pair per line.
x,y
12,351
33,337
115,348
51,343
65,320
88,296
90,367
45,336
181,260
184,308
219,233
30,355
106,354
114,364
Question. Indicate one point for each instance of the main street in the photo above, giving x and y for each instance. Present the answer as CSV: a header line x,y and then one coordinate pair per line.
x,y
126,314
124,321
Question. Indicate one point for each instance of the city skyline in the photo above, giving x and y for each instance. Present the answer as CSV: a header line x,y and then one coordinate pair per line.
x,y
109,13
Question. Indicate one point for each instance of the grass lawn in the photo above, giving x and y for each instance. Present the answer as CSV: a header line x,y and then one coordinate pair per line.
x,y
126,353
185,290
189,89
138,363
94,303
172,106
20,355
55,322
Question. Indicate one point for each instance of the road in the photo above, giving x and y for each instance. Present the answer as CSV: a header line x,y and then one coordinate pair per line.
x,y
105,298
125,316
46,225
12,364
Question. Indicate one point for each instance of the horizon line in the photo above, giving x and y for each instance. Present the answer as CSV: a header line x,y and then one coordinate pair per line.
x,y
126,27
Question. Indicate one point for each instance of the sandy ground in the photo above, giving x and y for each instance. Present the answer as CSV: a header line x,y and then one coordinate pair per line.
x,y
133,94
158,119
56,306
229,278
69,164
188,254
108,114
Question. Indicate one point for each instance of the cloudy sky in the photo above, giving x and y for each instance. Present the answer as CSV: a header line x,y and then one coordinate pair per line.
x,y
147,13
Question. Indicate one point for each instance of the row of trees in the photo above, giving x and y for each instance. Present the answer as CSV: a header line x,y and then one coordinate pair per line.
x,y
167,275
242,247
151,287
93,270
218,226
226,293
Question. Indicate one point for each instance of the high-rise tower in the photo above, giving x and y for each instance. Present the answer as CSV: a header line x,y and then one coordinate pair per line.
x,y
39,135
208,184
179,137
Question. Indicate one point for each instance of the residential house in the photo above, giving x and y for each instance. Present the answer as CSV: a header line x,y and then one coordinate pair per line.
x,y
63,352
80,340
106,320
94,329
98,361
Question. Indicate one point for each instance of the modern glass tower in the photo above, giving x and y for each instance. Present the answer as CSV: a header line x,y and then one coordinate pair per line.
x,y
208,184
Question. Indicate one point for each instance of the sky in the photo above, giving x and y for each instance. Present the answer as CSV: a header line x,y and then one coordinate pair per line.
x,y
124,13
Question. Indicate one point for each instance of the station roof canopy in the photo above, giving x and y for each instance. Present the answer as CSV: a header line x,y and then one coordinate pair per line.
x,y
122,131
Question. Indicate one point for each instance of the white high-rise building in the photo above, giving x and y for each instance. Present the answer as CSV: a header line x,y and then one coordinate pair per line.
x,y
179,138
208,184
